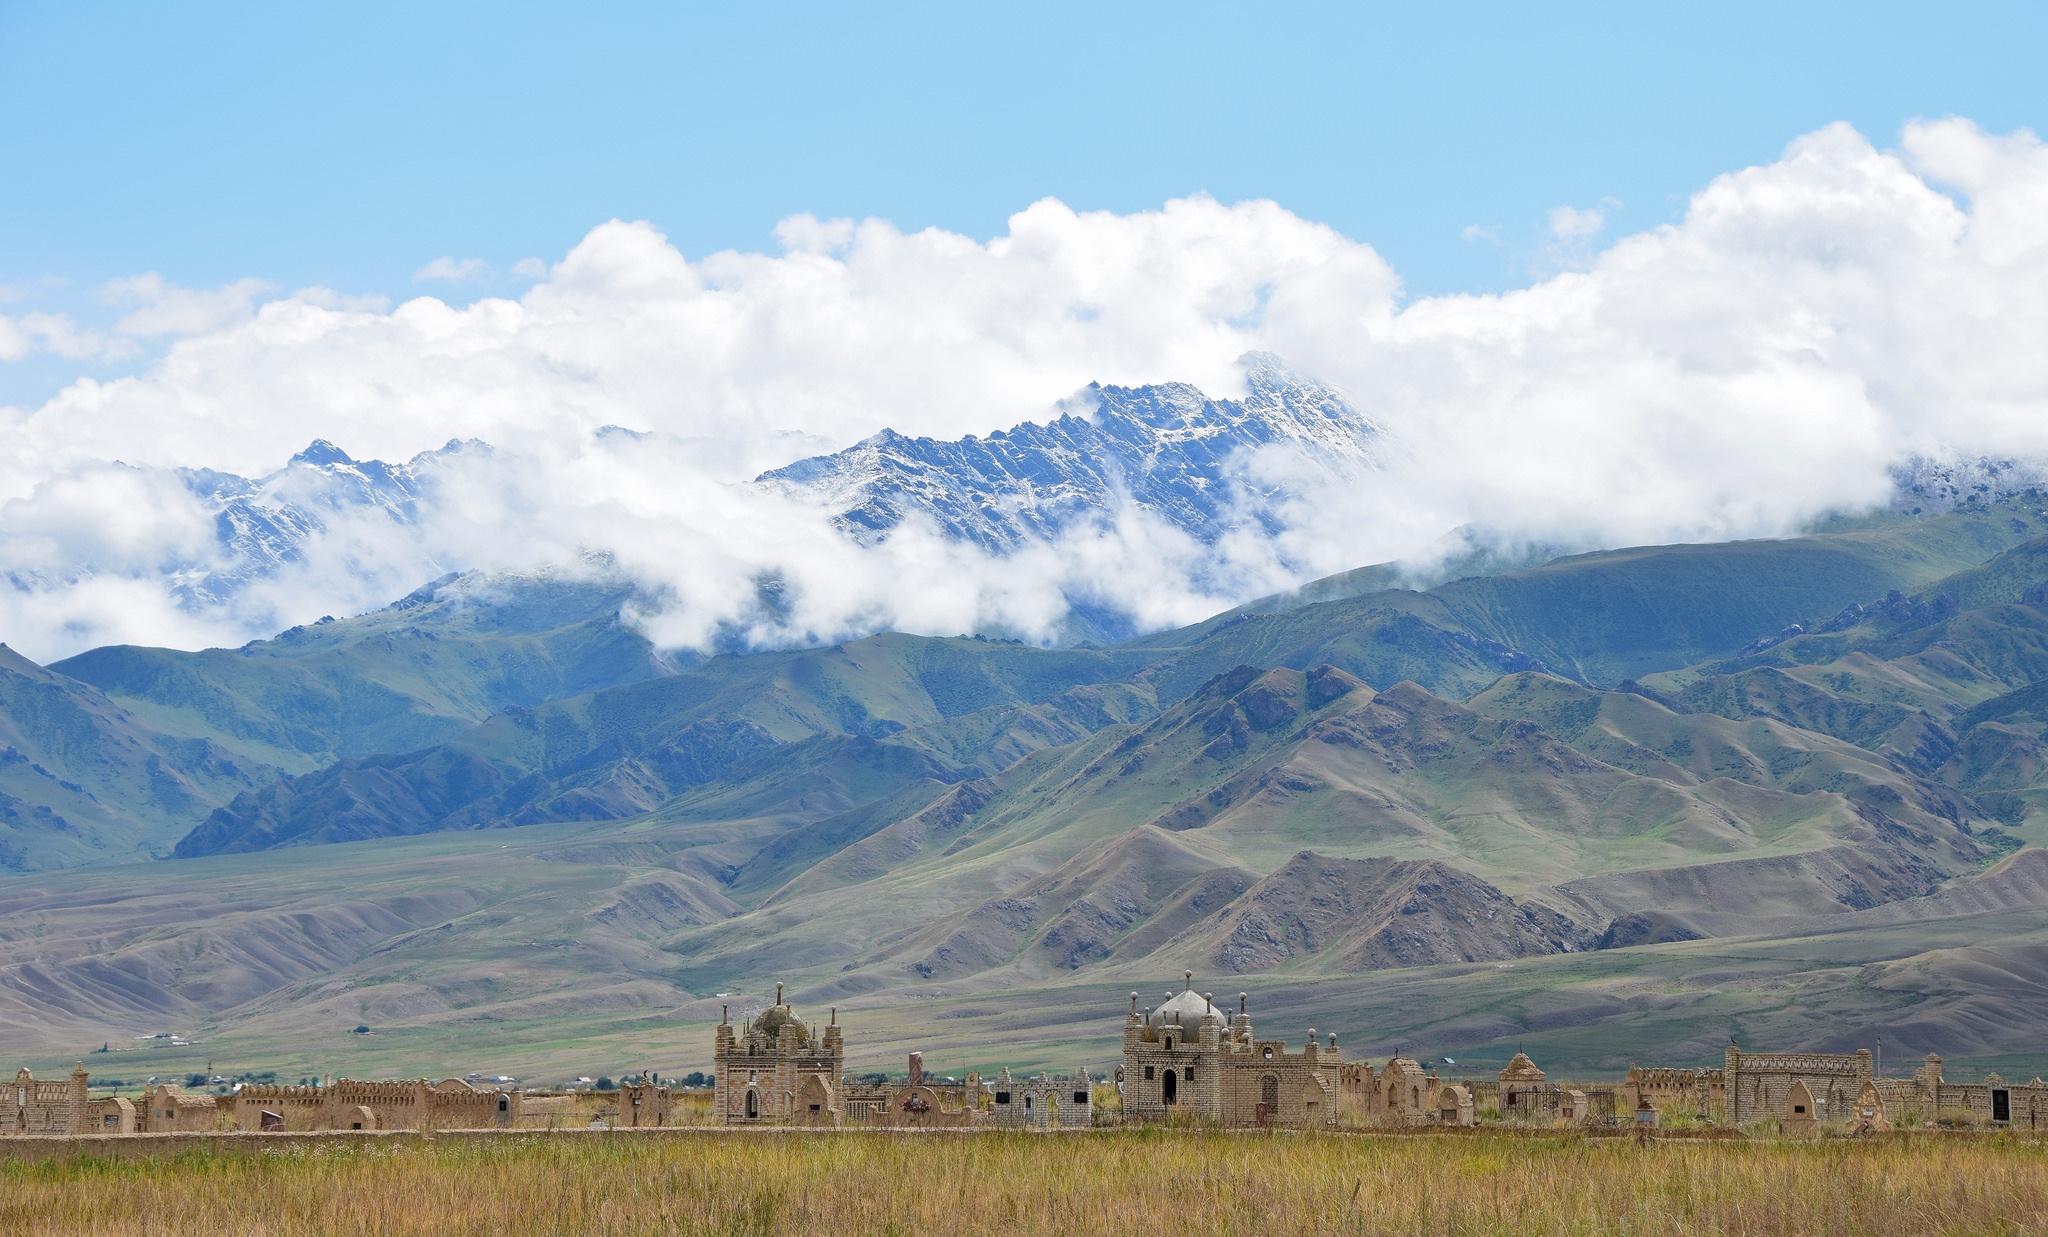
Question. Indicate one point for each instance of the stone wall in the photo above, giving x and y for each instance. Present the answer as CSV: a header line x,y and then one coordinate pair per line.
x,y
1757,1085
1058,1101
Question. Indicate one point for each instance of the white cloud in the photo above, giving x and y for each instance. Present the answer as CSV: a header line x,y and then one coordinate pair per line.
x,y
530,268
449,270
1764,360
1569,223
157,307
24,334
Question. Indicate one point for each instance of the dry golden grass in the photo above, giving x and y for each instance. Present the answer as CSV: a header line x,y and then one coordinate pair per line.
x,y
1101,1182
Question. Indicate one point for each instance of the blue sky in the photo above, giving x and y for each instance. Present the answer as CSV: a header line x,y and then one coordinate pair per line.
x,y
348,145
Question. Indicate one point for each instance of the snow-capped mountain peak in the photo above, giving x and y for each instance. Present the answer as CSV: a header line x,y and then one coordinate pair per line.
x,y
1167,449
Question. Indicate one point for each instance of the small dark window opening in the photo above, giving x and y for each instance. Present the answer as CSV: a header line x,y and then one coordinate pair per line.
x,y
1002,1097
1169,1043
505,1104
1798,1108
1080,1097
814,1108
1189,1073
356,1125
1148,1073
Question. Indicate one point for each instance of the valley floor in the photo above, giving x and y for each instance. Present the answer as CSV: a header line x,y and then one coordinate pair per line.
x,y
1100,1182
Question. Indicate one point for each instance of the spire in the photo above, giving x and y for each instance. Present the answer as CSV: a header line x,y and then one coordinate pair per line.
x,y
724,1014
1189,976
835,1015
778,992
1241,999
1134,1002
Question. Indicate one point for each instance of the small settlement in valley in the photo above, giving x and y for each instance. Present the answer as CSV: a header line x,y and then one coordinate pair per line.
x,y
1185,1061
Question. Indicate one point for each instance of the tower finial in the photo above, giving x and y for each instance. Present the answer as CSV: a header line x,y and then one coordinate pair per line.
x,y
1134,1002
724,1014
1241,998
778,992
1189,976
835,1015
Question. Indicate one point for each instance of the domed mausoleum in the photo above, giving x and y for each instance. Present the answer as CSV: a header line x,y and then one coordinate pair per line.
x,y
1184,1056
775,1070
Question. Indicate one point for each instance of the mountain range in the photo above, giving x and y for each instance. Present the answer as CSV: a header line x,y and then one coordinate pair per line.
x,y
1620,804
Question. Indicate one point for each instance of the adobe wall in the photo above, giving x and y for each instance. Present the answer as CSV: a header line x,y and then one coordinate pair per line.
x,y
355,1104
1696,1090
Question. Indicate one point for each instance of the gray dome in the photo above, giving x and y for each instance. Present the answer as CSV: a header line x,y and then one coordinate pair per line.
x,y
1185,1008
771,1021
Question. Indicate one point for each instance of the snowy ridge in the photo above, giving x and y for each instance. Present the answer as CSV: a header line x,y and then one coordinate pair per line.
x,y
1167,449
266,524
1923,486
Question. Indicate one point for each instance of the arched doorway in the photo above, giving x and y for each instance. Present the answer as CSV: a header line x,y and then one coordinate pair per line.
x,y
753,1105
1169,1089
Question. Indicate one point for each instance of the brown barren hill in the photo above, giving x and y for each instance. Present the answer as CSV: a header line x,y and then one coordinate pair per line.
x,y
1374,914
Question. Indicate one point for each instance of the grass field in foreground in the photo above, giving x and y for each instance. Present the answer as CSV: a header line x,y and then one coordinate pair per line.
x,y
1105,1182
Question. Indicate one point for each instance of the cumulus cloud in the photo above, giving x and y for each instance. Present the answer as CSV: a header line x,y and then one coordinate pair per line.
x,y
1806,325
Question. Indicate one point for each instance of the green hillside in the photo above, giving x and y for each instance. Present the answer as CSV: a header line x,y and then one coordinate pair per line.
x,y
82,780
1599,618
421,670
1520,801
797,732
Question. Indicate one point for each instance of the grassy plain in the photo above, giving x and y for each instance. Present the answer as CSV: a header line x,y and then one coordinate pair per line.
x,y
1103,1182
